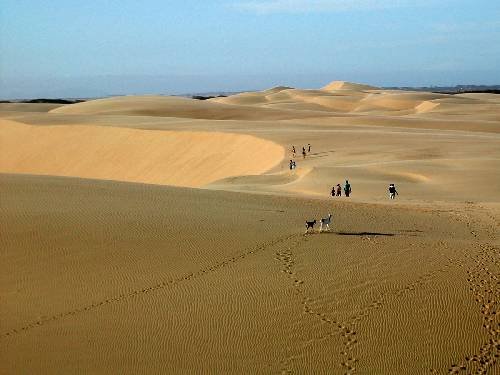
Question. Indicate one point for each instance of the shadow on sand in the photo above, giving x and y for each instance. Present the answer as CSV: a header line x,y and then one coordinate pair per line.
x,y
362,234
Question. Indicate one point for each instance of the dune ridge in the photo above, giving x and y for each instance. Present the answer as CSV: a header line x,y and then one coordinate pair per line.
x,y
191,159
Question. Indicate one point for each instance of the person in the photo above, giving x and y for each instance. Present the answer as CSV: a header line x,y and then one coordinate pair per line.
x,y
392,191
339,190
291,164
308,147
333,191
347,189
293,149
303,152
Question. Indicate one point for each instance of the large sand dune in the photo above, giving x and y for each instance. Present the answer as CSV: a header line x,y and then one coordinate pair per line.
x,y
122,277
175,158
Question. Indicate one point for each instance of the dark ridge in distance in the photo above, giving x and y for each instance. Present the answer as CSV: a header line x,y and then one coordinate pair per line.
x,y
47,101
458,89
201,97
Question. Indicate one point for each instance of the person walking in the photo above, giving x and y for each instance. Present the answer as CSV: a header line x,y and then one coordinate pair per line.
x,y
392,191
304,152
347,188
308,147
339,190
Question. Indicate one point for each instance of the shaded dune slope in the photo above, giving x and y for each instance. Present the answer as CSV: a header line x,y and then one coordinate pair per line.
x,y
176,158
353,98
164,106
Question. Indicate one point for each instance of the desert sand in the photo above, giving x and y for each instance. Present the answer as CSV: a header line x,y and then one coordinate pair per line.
x,y
151,234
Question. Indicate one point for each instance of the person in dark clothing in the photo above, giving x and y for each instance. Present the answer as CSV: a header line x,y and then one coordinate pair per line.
x,y
333,191
291,164
303,152
392,191
308,147
347,188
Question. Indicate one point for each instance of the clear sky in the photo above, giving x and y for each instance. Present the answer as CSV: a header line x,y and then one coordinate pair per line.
x,y
73,48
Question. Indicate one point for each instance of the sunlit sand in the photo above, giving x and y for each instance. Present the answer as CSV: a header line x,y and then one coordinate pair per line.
x,y
151,234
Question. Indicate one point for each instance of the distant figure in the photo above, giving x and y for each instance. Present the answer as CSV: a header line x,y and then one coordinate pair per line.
x,y
333,191
339,190
291,164
304,152
392,191
347,188
308,147
294,165
293,149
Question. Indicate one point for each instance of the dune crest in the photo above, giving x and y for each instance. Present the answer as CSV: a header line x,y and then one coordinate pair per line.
x,y
344,85
191,159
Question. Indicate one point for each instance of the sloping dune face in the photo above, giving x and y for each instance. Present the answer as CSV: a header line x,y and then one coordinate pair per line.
x,y
190,159
343,85
168,106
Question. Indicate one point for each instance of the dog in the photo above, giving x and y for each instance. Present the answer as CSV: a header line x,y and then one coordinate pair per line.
x,y
310,224
325,222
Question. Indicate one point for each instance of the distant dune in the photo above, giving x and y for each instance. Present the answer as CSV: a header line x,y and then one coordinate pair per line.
x,y
176,107
343,85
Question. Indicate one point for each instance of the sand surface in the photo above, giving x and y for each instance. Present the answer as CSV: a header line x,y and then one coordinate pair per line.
x,y
104,270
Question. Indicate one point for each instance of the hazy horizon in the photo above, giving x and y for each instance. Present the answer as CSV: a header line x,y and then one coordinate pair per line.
x,y
57,49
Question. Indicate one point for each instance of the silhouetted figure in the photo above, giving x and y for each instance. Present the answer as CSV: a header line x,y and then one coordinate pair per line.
x,y
339,190
308,147
392,191
291,164
347,188
304,152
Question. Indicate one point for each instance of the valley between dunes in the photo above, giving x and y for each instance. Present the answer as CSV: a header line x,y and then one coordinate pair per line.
x,y
153,234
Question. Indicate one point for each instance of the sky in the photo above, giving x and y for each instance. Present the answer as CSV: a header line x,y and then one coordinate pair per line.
x,y
92,48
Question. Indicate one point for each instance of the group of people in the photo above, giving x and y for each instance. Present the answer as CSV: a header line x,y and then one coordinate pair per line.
x,y
337,190
305,150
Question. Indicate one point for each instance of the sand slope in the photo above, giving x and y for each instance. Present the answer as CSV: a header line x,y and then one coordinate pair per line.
x,y
176,107
158,157
108,281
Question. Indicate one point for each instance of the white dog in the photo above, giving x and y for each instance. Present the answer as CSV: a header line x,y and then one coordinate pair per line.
x,y
326,222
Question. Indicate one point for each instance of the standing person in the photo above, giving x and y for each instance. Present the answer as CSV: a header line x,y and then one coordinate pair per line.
x,y
304,152
347,189
291,164
339,190
333,191
308,147
392,191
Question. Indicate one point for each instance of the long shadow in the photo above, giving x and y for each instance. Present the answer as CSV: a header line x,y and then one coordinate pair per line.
x,y
363,234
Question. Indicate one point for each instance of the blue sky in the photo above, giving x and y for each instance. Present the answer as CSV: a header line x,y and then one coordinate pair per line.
x,y
95,47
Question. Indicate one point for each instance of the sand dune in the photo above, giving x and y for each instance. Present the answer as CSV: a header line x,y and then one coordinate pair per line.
x,y
343,85
110,278
99,274
170,158
176,107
